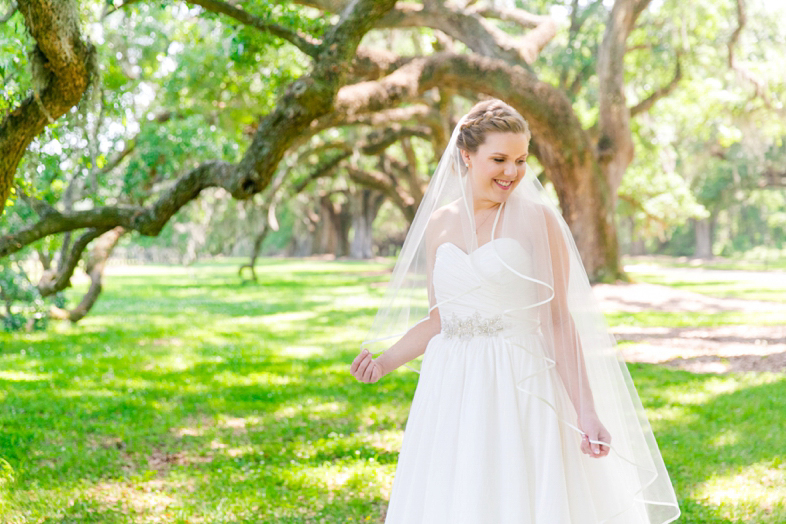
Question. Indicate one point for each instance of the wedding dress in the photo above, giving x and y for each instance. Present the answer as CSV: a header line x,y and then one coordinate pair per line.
x,y
493,436
479,450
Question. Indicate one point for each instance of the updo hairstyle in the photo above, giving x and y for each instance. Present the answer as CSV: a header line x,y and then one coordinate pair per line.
x,y
489,116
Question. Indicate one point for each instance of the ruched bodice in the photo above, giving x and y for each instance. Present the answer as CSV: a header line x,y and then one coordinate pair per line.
x,y
491,436
468,285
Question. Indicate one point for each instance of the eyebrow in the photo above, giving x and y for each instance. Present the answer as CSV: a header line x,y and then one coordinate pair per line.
x,y
503,154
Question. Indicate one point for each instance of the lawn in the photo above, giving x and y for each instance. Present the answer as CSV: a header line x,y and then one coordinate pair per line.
x,y
189,396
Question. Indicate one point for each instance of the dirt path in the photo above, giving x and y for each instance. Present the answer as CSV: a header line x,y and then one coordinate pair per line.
x,y
700,350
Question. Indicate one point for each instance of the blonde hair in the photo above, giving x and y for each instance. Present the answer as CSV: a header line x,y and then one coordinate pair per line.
x,y
489,116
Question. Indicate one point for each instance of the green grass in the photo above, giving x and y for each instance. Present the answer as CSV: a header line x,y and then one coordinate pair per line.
x,y
188,396
758,259
754,290
694,319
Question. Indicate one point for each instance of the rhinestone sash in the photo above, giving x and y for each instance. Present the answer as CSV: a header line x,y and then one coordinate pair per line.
x,y
468,327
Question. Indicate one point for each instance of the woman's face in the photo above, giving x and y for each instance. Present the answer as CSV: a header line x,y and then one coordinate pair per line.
x,y
497,167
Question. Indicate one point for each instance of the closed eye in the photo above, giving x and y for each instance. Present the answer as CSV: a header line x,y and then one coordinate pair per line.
x,y
500,160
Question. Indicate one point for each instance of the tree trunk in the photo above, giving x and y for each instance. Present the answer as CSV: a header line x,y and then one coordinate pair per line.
x,y
255,252
61,66
703,230
637,246
339,220
366,204
585,199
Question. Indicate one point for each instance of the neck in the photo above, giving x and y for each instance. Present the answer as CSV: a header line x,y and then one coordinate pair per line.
x,y
484,205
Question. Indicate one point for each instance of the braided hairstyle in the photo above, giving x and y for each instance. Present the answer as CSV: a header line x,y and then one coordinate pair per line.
x,y
489,116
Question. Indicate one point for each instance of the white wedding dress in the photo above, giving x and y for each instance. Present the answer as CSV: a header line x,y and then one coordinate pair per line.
x,y
476,449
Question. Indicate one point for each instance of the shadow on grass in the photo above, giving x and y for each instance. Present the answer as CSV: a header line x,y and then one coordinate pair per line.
x,y
230,403
714,427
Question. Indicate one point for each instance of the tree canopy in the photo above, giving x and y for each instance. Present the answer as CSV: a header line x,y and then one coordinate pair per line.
x,y
116,117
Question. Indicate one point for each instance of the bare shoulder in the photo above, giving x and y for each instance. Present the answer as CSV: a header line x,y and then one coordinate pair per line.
x,y
442,220
445,214
552,218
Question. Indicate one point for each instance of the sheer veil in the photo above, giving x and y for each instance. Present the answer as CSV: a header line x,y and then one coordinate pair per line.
x,y
539,258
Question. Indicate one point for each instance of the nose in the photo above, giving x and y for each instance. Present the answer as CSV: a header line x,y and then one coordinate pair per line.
x,y
510,169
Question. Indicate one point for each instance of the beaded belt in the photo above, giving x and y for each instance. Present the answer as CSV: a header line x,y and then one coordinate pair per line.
x,y
468,327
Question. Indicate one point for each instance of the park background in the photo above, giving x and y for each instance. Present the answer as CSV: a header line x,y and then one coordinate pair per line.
x,y
202,202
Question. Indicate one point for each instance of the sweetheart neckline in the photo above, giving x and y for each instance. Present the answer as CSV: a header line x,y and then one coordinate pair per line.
x,y
478,249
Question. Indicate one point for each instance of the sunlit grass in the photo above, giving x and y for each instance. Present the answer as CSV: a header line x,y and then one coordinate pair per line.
x,y
756,260
190,396
769,289
694,319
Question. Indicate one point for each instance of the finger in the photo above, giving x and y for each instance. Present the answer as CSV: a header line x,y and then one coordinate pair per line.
x,y
600,448
605,444
585,445
364,365
593,444
369,372
357,360
358,371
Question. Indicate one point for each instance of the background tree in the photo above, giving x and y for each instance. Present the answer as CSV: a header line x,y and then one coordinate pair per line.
x,y
346,105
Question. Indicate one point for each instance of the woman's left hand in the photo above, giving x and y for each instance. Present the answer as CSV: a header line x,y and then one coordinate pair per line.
x,y
594,431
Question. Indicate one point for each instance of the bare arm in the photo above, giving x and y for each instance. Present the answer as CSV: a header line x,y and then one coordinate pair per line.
x,y
569,354
413,343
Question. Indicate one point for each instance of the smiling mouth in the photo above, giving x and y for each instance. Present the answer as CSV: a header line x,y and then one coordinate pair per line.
x,y
504,184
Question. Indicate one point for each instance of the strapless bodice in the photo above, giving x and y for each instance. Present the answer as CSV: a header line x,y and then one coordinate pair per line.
x,y
480,286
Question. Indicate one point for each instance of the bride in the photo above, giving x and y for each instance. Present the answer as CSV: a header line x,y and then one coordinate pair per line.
x,y
523,412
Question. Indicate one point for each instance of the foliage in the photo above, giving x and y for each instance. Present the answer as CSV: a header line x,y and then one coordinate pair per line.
x,y
14,68
180,85
25,308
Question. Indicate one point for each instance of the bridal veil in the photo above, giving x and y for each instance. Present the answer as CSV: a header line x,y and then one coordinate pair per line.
x,y
560,304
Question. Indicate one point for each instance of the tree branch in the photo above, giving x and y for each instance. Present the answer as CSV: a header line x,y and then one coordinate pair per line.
x,y
331,6
376,143
615,147
377,119
759,86
39,207
305,43
107,11
659,93
6,17
323,170
577,20
147,220
467,25
372,64
307,99
518,16
635,204
547,109
96,260
385,183
476,32
57,280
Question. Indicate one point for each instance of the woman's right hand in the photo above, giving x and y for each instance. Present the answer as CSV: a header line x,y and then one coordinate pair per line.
x,y
365,368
